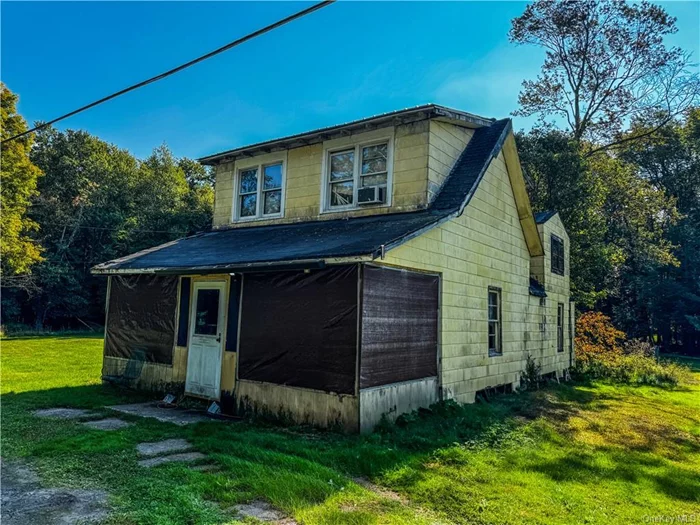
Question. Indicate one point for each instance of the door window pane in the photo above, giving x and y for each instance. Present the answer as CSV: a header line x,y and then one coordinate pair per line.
x,y
207,312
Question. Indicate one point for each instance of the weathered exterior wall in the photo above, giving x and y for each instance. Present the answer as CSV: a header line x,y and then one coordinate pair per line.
x,y
395,399
484,247
161,377
154,376
423,154
301,405
446,144
558,291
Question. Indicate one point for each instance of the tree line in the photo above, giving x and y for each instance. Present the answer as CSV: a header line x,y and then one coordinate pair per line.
x,y
615,150
70,201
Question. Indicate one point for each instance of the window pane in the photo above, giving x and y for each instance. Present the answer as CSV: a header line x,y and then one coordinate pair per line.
x,y
342,165
249,181
273,177
272,202
373,180
493,313
493,299
374,158
341,193
248,205
207,312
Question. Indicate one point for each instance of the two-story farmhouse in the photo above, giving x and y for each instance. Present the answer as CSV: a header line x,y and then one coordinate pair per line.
x,y
364,269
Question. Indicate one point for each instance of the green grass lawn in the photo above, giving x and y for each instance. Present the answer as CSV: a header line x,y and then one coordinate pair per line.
x,y
572,453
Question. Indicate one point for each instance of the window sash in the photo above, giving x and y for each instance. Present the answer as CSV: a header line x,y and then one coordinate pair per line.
x,y
260,192
560,327
494,315
357,178
557,255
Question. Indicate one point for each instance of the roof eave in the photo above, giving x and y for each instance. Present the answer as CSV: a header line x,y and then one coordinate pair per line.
x,y
378,121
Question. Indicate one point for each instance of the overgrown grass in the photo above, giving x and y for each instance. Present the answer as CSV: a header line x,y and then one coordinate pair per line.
x,y
574,453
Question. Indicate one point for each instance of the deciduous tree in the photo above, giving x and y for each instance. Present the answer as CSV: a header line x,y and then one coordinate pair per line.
x,y
18,180
606,65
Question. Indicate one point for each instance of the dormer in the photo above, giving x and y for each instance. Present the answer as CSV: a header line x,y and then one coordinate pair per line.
x,y
394,162
551,270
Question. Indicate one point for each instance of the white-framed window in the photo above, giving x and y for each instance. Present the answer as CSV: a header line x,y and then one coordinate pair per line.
x,y
495,331
259,191
351,167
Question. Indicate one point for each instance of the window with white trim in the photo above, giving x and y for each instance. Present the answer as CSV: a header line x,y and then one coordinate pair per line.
x,y
259,191
353,167
494,317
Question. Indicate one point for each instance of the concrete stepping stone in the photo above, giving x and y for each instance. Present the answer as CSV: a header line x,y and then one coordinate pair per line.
x,y
167,415
107,424
63,413
187,457
163,447
259,509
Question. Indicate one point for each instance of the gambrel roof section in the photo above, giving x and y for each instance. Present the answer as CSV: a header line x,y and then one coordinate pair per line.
x,y
319,242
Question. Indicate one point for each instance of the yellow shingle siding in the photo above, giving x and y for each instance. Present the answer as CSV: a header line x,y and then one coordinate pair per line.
x,y
483,247
446,143
423,154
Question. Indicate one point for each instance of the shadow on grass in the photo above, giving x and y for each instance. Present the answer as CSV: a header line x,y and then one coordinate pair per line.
x,y
299,468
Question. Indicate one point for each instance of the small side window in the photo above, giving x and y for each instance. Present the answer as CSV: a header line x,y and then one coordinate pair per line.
x,y
560,327
494,318
557,245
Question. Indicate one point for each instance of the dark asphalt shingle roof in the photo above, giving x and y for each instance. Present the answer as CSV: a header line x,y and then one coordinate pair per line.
x,y
536,288
236,248
544,216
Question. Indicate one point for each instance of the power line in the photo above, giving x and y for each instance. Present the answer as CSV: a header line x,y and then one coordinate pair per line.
x,y
228,46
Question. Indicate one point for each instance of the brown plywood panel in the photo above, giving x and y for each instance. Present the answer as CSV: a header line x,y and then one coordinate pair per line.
x,y
141,317
300,329
399,326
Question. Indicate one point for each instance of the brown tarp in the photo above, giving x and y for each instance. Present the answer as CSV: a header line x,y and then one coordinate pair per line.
x,y
141,317
300,329
399,326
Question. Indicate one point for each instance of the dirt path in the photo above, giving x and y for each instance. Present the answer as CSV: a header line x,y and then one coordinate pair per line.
x,y
25,502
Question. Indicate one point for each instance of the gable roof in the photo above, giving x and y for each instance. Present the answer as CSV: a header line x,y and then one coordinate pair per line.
x,y
544,216
426,111
237,249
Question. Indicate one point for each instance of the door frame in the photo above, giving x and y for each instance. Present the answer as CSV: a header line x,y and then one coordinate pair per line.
x,y
222,286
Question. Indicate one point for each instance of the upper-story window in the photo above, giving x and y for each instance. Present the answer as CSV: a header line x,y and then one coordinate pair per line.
x,y
259,191
557,255
357,175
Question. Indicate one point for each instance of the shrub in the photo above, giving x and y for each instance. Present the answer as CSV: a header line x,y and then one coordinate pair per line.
x,y
639,347
532,375
601,352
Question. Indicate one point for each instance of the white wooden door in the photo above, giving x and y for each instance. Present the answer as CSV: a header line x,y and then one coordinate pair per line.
x,y
206,337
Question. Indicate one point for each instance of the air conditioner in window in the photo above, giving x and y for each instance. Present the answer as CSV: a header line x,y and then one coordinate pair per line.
x,y
371,195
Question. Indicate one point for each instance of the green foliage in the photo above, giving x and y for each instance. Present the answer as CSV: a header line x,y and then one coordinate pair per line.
x,y
594,453
600,354
95,203
665,299
531,377
18,179
616,219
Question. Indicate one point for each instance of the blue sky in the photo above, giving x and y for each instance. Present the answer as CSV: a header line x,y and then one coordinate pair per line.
x,y
347,61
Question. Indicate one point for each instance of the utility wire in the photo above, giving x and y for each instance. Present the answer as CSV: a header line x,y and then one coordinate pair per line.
x,y
228,46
